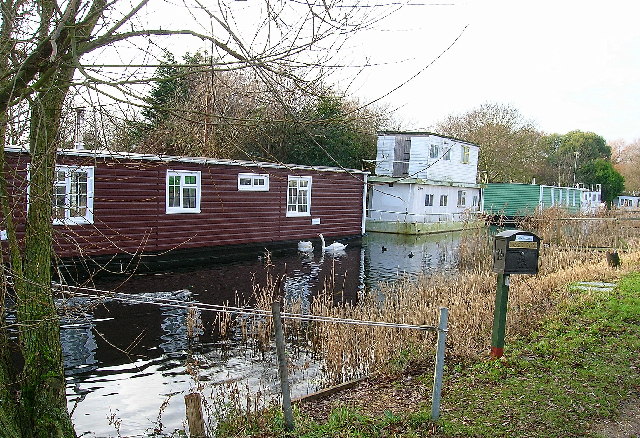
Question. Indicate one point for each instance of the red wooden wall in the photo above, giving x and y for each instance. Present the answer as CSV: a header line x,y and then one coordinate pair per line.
x,y
129,207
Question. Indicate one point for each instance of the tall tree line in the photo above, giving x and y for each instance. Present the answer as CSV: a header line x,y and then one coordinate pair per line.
x,y
513,149
237,114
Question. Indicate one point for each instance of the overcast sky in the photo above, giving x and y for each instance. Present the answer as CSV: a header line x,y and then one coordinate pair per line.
x,y
563,64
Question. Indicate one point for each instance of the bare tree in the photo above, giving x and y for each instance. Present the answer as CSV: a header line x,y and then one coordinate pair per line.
x,y
626,159
46,48
509,144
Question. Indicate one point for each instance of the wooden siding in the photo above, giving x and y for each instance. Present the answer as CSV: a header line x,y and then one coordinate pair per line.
x,y
129,207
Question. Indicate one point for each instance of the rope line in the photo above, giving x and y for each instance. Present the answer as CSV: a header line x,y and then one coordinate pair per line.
x,y
180,304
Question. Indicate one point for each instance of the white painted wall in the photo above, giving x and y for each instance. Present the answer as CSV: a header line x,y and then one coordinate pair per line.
x,y
384,156
406,202
423,166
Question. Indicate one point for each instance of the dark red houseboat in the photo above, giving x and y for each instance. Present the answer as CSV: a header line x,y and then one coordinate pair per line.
x,y
128,205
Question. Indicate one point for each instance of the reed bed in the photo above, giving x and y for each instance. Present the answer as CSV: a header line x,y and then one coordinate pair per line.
x,y
572,251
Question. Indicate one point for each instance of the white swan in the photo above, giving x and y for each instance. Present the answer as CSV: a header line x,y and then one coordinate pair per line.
x,y
335,246
305,246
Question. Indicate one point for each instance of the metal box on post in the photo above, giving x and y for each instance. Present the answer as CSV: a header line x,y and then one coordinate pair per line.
x,y
516,252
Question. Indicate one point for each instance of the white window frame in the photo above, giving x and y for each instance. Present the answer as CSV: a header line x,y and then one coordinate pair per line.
x,y
466,154
68,170
434,151
462,198
446,154
444,200
197,186
255,185
296,211
428,200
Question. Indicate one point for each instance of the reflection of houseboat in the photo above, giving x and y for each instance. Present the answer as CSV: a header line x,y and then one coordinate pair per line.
x,y
130,204
424,183
511,200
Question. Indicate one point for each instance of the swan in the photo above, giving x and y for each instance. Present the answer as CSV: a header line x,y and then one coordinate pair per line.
x,y
305,246
335,246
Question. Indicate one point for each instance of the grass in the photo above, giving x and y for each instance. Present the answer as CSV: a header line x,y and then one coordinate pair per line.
x,y
576,367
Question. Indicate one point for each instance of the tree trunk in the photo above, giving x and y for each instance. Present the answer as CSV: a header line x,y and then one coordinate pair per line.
x,y
43,399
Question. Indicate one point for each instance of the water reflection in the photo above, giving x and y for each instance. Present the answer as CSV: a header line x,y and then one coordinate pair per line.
x,y
126,360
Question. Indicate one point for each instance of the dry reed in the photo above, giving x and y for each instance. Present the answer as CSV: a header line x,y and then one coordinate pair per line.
x,y
569,253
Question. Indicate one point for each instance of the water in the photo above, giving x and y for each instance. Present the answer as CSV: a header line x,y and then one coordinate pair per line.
x,y
128,363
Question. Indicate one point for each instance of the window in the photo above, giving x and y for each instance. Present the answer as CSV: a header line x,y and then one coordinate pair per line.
x,y
428,200
433,152
443,200
299,196
447,153
474,202
73,195
462,198
253,182
183,191
465,154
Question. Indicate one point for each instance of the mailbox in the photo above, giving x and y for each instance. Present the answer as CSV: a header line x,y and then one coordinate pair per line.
x,y
516,252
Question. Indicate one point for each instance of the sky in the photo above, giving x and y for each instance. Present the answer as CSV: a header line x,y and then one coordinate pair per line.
x,y
563,64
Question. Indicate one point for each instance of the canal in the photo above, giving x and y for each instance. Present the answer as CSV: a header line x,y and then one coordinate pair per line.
x,y
130,359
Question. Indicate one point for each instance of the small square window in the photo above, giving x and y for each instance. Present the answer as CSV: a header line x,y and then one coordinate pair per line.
x,y
183,191
73,195
428,200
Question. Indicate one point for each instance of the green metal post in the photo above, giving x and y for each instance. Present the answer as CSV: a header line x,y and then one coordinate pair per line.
x,y
500,316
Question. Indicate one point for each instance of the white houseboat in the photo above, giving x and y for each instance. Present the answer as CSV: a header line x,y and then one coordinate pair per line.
x,y
423,183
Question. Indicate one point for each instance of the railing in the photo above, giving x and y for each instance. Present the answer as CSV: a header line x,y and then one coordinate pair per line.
x,y
403,216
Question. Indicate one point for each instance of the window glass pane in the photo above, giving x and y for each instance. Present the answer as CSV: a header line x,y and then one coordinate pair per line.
x,y
245,181
174,196
189,197
258,181
190,179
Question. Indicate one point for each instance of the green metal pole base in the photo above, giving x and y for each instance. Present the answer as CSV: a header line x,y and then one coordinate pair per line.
x,y
500,316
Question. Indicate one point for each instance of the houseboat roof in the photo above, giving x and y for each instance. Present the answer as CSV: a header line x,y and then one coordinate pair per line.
x,y
425,133
406,180
105,153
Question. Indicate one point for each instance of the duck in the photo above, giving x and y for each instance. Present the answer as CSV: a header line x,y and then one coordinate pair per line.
x,y
335,246
305,246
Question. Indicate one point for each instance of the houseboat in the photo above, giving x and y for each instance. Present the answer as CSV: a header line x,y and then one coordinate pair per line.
x,y
424,183
627,202
123,206
513,200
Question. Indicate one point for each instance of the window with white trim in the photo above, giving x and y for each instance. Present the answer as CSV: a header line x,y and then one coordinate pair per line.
x,y
428,200
73,195
443,200
465,155
447,153
253,182
462,198
299,196
183,191
434,151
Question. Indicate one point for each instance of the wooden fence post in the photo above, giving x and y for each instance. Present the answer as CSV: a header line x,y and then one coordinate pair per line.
x,y
282,366
194,415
